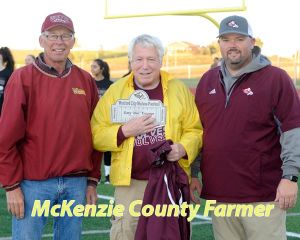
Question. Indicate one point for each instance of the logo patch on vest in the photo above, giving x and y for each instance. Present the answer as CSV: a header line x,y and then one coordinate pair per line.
x,y
78,91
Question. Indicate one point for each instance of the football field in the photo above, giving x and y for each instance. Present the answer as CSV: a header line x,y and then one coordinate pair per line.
x,y
98,227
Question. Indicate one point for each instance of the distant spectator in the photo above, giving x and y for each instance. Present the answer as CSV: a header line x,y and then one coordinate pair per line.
x,y
29,59
100,71
7,66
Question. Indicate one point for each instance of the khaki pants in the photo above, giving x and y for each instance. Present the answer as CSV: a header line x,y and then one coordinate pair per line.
x,y
251,228
123,228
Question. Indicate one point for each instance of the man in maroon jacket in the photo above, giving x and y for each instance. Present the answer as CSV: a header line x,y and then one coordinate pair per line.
x,y
45,137
251,142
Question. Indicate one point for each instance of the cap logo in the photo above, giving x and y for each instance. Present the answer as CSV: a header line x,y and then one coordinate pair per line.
x,y
232,24
59,19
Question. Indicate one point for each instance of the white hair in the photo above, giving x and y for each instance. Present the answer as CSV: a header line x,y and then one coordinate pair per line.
x,y
146,41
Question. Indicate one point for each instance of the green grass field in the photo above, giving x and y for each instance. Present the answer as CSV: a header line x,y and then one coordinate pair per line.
x,y
98,228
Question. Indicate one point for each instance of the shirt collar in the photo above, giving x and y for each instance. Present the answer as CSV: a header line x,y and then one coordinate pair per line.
x,y
51,70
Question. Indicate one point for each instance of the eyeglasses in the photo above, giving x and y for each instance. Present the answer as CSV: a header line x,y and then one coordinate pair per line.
x,y
55,37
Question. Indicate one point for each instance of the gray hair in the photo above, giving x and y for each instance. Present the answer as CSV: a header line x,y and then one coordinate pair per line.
x,y
146,41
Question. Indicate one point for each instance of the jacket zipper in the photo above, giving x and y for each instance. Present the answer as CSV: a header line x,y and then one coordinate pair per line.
x,y
231,89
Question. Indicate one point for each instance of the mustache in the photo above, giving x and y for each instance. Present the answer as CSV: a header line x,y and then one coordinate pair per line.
x,y
233,50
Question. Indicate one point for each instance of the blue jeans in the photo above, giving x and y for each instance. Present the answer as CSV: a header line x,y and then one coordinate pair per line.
x,y
56,190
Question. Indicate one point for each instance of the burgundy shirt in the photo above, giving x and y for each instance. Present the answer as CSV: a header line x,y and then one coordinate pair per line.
x,y
241,149
142,143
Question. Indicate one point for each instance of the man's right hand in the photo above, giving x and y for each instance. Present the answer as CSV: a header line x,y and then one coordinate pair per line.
x,y
15,202
195,186
138,126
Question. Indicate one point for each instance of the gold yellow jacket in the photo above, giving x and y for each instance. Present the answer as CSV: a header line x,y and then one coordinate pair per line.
x,y
182,125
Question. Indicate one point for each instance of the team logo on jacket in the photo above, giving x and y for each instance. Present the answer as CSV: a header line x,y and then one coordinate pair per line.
x,y
212,92
78,91
248,91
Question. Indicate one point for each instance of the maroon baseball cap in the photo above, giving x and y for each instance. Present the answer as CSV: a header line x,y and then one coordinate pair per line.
x,y
57,19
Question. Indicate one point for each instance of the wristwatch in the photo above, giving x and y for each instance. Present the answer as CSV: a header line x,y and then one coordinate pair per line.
x,y
291,178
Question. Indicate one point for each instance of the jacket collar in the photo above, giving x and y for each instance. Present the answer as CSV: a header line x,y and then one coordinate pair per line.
x,y
40,63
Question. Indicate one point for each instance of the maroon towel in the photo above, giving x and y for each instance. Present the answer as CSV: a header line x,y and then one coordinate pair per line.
x,y
156,192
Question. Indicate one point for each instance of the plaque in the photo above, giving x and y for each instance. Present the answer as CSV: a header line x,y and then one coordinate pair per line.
x,y
138,105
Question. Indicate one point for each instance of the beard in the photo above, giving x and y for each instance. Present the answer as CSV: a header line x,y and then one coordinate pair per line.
x,y
234,56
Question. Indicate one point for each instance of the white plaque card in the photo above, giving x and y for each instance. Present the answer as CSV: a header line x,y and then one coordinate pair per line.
x,y
138,105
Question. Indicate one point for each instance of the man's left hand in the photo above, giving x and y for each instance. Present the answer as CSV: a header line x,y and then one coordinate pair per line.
x,y
176,153
91,195
195,187
286,195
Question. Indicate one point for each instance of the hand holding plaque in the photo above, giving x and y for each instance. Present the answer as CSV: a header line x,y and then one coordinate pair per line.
x,y
139,125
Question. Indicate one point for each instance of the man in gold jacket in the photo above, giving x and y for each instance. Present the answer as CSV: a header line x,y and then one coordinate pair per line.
x,y
130,140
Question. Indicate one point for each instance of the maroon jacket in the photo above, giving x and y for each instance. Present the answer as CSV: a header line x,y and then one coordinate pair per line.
x,y
241,150
45,126
160,228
